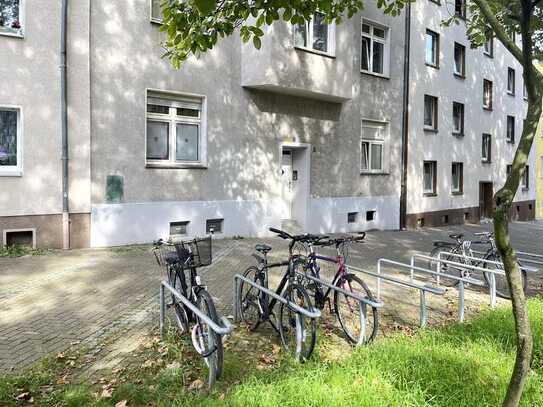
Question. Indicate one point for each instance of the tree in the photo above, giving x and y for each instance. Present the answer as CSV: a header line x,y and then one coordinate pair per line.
x,y
195,26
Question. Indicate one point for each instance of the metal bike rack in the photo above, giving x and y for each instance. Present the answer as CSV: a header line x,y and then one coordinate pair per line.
x,y
422,288
523,257
219,330
313,314
461,280
356,297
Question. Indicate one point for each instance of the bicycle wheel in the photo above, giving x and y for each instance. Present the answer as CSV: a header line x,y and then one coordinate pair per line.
x,y
290,321
348,310
502,286
181,316
205,340
251,302
445,268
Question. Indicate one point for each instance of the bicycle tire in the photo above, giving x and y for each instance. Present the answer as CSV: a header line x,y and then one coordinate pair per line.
x,y
447,269
252,304
180,312
371,318
209,340
502,285
287,323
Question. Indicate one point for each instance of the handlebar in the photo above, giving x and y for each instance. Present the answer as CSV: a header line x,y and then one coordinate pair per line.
x,y
486,234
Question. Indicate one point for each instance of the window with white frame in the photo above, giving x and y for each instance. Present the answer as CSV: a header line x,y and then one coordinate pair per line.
x,y
11,17
457,178
175,130
375,49
525,182
372,146
486,148
487,94
510,136
460,8
510,81
430,112
156,10
10,141
458,119
429,177
459,60
488,46
432,48
316,35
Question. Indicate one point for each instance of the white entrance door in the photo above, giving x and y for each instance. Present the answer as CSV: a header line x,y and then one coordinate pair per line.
x,y
287,189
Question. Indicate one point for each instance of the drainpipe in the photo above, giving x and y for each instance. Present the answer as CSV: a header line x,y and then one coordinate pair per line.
x,y
64,121
405,118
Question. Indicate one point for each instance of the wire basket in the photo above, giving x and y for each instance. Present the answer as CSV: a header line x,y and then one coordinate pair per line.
x,y
166,255
197,250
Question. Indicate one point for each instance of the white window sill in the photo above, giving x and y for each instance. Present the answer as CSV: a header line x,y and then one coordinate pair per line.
x,y
11,173
510,93
169,165
430,129
156,21
315,51
379,75
15,34
374,172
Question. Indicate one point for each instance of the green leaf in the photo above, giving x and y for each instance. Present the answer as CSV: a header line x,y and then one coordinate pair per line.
x,y
205,6
257,43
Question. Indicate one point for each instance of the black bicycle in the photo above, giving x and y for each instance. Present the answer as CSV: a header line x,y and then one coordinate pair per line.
x,y
460,249
347,309
256,306
180,261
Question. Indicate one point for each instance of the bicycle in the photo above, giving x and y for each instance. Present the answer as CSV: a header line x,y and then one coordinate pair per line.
x,y
177,258
464,248
347,309
256,307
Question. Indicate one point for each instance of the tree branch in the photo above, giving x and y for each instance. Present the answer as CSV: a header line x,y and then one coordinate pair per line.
x,y
498,29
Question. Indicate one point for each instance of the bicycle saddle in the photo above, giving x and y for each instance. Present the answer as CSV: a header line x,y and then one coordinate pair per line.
x,y
262,248
456,236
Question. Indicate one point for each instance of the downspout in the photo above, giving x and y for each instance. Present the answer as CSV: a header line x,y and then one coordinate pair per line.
x,y
64,121
405,118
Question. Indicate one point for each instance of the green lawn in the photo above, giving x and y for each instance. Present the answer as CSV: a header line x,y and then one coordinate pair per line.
x,y
457,365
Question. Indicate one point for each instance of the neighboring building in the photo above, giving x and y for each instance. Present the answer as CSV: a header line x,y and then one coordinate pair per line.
x,y
466,116
539,164
305,133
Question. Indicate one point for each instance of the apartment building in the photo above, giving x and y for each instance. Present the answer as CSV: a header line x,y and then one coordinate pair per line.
x,y
539,164
467,108
305,132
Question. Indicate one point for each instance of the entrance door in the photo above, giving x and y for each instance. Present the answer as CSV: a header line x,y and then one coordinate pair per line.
x,y
486,202
287,188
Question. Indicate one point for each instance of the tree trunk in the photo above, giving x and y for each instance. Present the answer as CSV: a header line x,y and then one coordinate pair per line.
x,y
504,199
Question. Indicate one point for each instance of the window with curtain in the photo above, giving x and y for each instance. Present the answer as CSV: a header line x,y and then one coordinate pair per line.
x,y
487,94
372,146
9,138
316,35
510,137
11,16
458,119
432,48
375,48
457,175
459,60
430,112
429,177
486,153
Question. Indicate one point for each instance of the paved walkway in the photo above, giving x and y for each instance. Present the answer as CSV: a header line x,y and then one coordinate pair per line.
x,y
48,303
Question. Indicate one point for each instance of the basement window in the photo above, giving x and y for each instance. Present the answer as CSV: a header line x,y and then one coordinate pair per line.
x,y
178,228
370,215
214,226
352,217
420,222
20,237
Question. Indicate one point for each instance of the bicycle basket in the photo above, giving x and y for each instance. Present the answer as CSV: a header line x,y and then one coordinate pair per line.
x,y
165,255
198,249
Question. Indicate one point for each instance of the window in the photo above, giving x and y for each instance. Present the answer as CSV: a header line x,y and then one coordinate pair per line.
x,y
458,119
11,17
370,216
460,8
526,178
459,60
487,94
214,226
429,177
10,141
511,81
432,49
430,112
488,47
375,49
352,217
156,11
316,35
372,146
510,137
486,152
508,170
524,91
457,184
175,130
178,228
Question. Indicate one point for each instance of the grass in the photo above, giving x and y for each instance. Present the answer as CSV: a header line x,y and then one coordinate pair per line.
x,y
454,365
21,250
